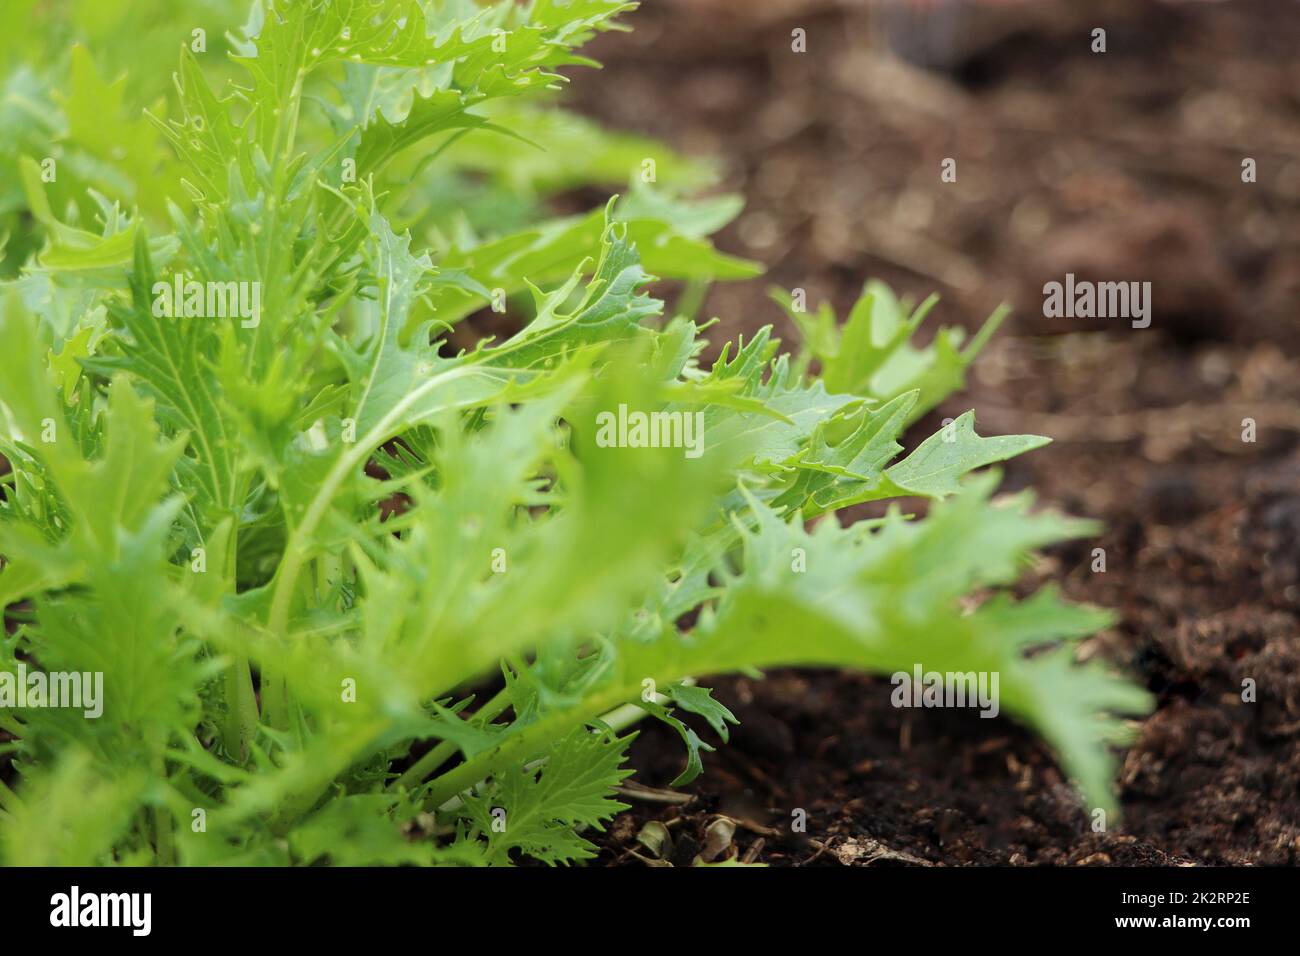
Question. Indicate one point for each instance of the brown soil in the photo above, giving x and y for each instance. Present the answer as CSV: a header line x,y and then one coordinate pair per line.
x,y
1124,165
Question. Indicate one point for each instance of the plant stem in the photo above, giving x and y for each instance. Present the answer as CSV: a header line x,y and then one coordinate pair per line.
x,y
241,710
610,707
318,773
515,749
275,700
354,456
162,831
440,754
241,702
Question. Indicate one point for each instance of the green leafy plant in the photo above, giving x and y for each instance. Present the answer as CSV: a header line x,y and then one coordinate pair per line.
x,y
369,587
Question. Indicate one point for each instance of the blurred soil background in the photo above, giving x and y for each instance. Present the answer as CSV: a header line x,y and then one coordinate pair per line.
x,y
1120,166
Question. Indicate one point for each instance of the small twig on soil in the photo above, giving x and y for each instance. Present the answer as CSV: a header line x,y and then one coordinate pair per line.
x,y
821,848
636,791
758,828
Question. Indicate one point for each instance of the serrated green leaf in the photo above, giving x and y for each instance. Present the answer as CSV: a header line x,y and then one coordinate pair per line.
x,y
938,462
541,812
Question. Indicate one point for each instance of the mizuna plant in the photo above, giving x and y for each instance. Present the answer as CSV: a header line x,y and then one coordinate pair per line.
x,y
366,586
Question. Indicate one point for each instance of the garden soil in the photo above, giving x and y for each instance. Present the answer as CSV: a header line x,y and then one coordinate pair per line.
x,y
1125,165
